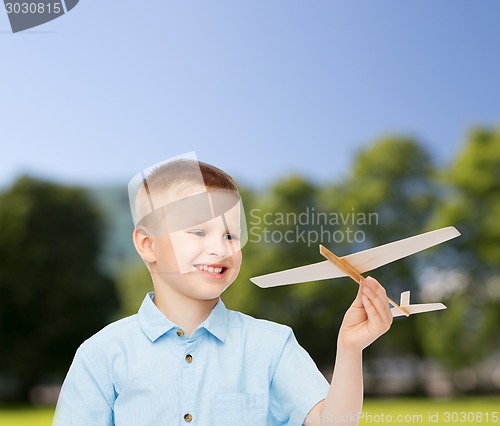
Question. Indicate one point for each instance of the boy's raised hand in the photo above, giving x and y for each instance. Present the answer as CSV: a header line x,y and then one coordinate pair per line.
x,y
368,317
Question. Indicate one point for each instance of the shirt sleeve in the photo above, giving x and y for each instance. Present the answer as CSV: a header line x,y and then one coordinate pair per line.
x,y
297,385
85,399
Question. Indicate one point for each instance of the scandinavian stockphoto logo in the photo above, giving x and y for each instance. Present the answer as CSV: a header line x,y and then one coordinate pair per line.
x,y
28,14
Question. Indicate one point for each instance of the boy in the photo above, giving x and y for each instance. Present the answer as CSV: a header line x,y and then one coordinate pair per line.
x,y
185,358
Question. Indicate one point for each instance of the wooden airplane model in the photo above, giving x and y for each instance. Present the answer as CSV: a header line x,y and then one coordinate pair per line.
x,y
355,264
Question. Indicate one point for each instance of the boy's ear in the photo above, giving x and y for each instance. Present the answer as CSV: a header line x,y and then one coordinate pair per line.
x,y
143,242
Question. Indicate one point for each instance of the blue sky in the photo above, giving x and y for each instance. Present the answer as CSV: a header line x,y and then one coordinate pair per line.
x,y
259,88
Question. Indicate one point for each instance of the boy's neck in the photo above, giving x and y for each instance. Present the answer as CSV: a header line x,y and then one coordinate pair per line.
x,y
184,312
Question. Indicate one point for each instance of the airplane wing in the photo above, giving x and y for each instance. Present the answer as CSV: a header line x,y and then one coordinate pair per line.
x,y
313,272
363,261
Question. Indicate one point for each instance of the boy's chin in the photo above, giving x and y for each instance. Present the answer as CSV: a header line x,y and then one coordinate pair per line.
x,y
208,296
216,293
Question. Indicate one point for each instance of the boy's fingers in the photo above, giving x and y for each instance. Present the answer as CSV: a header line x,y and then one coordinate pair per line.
x,y
378,298
385,311
371,311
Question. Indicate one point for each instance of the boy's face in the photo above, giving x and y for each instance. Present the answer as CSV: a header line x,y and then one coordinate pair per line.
x,y
203,258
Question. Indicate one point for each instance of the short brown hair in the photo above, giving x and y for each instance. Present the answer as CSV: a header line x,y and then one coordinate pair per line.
x,y
179,172
173,180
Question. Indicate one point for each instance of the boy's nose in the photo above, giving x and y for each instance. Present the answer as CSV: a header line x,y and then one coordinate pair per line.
x,y
218,247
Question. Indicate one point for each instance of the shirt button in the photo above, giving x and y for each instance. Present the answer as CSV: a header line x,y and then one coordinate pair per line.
x,y
188,417
180,332
189,358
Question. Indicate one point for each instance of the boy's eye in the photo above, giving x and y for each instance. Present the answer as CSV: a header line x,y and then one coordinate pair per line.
x,y
197,233
231,237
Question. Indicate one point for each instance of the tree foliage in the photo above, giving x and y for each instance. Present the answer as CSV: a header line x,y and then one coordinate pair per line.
x,y
472,203
53,295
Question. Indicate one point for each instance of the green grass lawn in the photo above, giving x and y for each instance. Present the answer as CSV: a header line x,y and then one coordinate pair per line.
x,y
425,412
422,412
26,416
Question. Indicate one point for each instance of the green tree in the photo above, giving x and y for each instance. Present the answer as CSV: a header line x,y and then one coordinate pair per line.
x,y
53,295
472,204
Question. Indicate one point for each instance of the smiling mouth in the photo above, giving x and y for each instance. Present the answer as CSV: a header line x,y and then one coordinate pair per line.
x,y
213,271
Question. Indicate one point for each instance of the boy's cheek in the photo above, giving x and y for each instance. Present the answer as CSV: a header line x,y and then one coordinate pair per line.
x,y
237,258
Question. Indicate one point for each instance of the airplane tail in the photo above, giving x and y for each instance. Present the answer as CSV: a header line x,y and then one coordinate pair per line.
x,y
415,309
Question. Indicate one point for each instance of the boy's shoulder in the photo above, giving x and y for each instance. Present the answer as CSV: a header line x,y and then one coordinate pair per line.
x,y
239,319
119,330
121,326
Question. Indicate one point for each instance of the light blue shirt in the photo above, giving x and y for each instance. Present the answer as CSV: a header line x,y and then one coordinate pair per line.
x,y
233,370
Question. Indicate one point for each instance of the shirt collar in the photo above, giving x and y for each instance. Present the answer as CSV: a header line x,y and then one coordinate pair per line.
x,y
154,323
217,322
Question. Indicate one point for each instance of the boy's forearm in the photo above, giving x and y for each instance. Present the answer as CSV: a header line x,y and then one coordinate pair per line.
x,y
344,401
367,319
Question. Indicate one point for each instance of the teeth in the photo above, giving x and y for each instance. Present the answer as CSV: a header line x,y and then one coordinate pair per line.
x,y
209,269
